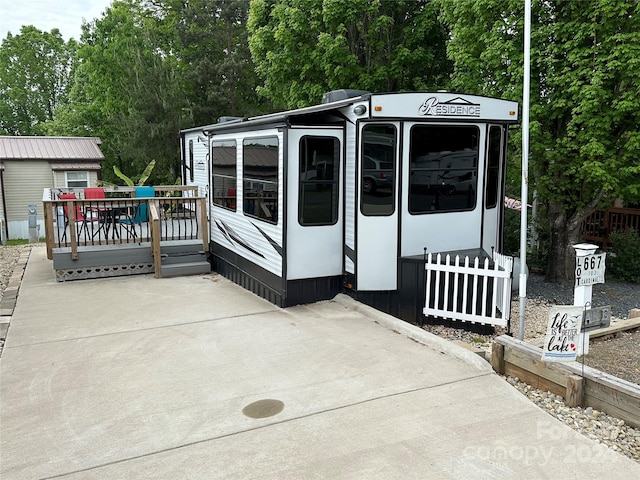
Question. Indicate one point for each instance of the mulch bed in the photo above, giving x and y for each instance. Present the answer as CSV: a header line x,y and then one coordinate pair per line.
x,y
617,355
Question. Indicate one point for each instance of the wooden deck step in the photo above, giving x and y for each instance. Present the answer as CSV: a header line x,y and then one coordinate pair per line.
x,y
185,268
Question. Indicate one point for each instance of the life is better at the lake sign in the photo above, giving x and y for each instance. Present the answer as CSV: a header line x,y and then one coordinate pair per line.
x,y
562,341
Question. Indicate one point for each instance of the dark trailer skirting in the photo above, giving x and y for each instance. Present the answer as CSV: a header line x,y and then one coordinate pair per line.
x,y
345,196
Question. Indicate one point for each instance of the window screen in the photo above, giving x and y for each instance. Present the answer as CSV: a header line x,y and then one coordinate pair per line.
x,y
223,169
77,179
377,170
319,173
493,167
260,178
191,174
443,174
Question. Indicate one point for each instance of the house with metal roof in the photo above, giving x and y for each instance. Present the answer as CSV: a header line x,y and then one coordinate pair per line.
x,y
28,165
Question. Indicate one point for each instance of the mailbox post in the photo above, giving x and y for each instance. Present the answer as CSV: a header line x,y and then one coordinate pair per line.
x,y
589,271
582,291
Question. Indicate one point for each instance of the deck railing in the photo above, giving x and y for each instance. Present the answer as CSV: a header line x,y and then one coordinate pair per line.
x,y
156,238
124,191
601,223
120,218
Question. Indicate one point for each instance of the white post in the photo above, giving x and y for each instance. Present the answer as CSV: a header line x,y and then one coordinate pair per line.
x,y
524,188
582,294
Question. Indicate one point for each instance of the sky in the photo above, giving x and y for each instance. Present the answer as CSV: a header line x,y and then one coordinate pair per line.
x,y
65,15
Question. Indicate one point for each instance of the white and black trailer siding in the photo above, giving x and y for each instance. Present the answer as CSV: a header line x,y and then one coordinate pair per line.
x,y
347,195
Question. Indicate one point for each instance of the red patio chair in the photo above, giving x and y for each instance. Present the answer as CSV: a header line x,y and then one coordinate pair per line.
x,y
94,193
231,198
79,216
94,211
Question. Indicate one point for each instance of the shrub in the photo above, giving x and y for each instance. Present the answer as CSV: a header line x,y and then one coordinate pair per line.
x,y
511,232
536,254
623,258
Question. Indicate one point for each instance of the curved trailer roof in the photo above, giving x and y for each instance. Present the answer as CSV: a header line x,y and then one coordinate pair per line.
x,y
419,105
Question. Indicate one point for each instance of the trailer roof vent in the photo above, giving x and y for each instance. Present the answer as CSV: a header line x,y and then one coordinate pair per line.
x,y
342,94
230,119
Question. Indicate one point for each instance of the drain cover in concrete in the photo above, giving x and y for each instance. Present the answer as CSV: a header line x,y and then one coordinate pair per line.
x,y
263,408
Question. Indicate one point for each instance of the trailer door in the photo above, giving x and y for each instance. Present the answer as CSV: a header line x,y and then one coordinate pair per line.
x,y
377,209
315,227
493,198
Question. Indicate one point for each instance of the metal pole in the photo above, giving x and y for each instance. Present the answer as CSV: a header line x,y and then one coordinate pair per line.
x,y
525,165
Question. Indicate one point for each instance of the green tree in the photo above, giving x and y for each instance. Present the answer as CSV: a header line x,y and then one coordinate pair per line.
x,y
585,107
217,71
35,71
303,48
128,91
148,68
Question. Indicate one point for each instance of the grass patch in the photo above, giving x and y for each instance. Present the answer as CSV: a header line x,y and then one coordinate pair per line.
x,y
17,241
21,241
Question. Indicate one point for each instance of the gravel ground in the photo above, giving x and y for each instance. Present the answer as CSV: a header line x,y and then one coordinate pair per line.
x,y
9,256
598,426
541,296
618,356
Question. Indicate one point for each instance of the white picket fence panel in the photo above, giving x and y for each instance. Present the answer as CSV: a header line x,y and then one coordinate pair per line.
x,y
466,280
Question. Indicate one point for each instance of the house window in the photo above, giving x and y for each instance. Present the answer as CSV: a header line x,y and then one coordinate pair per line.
x,y
224,171
77,179
319,173
443,171
260,178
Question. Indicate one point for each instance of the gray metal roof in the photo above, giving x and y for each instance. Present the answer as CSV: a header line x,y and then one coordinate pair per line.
x,y
278,116
79,165
50,148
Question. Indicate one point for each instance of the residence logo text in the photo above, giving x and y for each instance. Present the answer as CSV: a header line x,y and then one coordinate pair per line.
x,y
457,107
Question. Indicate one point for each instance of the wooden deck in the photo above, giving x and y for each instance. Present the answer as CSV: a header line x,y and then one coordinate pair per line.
x,y
123,235
601,223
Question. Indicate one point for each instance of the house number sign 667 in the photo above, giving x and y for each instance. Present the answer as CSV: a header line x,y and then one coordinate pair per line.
x,y
590,269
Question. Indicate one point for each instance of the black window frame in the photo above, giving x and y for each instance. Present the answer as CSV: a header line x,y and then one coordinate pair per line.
x,y
442,180
383,164
191,172
494,160
320,181
225,197
258,200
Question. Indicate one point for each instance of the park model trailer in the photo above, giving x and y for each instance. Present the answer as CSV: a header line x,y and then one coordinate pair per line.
x,y
348,195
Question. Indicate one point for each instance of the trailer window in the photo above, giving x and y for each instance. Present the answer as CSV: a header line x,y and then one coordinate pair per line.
x,y
260,178
319,174
443,174
224,172
493,167
191,176
377,170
